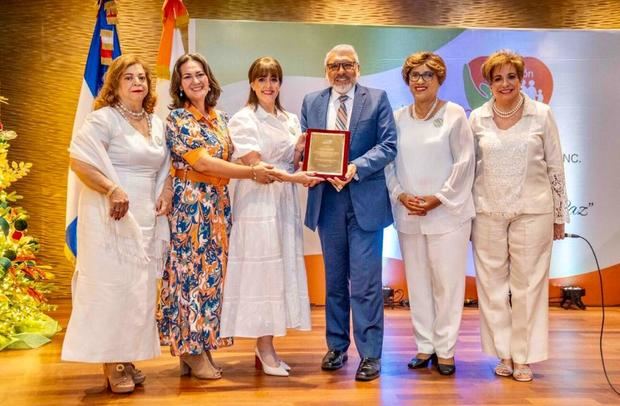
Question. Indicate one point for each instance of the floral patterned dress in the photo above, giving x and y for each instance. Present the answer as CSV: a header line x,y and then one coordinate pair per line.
x,y
190,302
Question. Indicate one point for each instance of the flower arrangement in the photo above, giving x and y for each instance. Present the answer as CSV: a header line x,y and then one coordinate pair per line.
x,y
23,281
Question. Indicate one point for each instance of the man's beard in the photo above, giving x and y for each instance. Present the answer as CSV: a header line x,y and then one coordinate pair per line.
x,y
343,88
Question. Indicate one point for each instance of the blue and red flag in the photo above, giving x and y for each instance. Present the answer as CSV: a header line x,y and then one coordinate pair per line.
x,y
104,48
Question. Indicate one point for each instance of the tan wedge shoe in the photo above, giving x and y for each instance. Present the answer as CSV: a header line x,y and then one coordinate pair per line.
x,y
137,375
117,378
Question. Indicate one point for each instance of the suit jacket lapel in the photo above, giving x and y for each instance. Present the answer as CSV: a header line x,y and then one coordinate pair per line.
x,y
358,105
323,104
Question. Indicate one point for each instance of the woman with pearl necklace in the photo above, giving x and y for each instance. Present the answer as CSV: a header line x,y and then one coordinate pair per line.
x,y
520,198
430,188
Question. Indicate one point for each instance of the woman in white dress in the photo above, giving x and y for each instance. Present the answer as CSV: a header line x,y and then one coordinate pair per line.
x,y
430,187
266,291
121,159
521,207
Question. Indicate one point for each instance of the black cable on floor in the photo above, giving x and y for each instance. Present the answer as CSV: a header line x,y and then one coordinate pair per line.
x,y
600,278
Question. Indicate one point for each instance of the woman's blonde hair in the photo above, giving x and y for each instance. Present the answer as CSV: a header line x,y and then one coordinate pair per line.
x,y
500,58
432,60
108,95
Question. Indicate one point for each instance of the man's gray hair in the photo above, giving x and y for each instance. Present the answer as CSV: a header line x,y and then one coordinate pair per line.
x,y
342,48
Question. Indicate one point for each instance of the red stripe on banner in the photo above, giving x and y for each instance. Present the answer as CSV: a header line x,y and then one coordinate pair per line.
x,y
106,53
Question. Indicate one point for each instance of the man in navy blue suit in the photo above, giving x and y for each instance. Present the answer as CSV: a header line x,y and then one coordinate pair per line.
x,y
351,214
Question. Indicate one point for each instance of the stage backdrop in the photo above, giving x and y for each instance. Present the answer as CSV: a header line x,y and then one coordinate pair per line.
x,y
573,71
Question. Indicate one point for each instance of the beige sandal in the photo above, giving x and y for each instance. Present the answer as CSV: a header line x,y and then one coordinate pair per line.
x,y
216,366
502,369
137,375
198,366
117,378
523,374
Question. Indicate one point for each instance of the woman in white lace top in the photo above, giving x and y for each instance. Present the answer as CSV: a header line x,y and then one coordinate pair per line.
x,y
520,198
430,187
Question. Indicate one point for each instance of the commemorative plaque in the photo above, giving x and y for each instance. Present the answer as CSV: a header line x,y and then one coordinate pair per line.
x,y
327,152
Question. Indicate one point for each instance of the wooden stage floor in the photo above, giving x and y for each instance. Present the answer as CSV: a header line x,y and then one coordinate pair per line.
x,y
572,376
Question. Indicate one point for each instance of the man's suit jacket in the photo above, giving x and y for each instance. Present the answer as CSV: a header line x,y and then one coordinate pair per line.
x,y
373,146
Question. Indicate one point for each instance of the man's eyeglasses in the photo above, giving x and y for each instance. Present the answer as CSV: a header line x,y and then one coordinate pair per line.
x,y
335,67
426,76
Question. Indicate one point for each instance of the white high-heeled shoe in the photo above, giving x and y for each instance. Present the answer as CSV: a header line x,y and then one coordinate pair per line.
x,y
285,365
280,370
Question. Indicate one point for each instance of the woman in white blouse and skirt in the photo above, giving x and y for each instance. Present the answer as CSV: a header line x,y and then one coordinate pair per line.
x,y
430,187
520,199
266,290
122,161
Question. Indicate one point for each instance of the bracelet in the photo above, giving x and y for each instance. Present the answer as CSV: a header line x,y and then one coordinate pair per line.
x,y
109,192
253,171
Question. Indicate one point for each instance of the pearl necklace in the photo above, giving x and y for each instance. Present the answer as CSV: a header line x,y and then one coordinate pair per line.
x,y
426,117
138,116
509,113
122,110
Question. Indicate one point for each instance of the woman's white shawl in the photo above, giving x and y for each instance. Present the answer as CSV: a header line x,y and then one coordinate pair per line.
x,y
123,237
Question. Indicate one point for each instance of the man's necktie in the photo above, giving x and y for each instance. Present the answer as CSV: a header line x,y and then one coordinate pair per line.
x,y
341,115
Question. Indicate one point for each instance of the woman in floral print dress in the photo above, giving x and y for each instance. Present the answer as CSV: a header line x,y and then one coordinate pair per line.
x,y
197,135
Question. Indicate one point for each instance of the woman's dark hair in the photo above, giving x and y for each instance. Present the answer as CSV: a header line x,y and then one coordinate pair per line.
x,y
179,98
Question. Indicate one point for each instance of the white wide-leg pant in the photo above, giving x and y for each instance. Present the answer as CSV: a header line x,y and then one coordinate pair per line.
x,y
512,255
435,266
